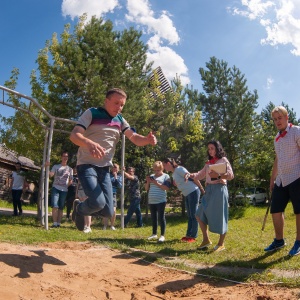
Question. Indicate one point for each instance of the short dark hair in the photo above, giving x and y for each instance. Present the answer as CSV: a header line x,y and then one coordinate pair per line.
x,y
115,91
18,163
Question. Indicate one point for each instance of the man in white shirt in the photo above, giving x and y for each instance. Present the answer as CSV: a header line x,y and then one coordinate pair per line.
x,y
63,175
285,178
18,184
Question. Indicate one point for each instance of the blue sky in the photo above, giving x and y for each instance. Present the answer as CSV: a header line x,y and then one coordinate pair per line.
x,y
261,38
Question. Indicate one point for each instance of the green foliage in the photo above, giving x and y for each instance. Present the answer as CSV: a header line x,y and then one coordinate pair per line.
x,y
74,72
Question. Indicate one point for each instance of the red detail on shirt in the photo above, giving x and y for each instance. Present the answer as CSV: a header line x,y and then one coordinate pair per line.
x,y
212,161
282,134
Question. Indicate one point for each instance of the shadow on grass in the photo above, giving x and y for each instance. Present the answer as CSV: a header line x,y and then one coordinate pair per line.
x,y
168,254
240,268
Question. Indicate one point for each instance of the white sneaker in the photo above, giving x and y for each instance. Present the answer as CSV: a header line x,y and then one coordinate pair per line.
x,y
112,228
161,239
152,237
104,228
87,230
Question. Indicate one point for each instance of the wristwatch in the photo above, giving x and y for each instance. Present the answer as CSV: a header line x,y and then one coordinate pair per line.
x,y
219,177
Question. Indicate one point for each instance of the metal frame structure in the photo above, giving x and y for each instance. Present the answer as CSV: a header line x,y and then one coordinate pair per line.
x,y
44,179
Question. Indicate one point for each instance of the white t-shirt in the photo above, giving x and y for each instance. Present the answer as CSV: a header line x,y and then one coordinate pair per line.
x,y
62,176
18,182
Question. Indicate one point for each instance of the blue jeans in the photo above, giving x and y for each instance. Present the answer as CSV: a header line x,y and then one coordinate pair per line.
x,y
158,215
96,184
134,207
58,198
191,204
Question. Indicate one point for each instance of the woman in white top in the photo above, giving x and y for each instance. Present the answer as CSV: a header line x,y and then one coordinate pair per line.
x,y
157,184
191,192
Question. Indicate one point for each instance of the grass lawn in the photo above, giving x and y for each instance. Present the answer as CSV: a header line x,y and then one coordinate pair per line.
x,y
243,260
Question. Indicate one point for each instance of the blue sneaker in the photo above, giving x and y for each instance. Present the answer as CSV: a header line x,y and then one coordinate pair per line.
x,y
275,245
296,249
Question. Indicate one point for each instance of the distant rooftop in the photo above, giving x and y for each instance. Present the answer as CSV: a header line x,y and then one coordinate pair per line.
x,y
10,157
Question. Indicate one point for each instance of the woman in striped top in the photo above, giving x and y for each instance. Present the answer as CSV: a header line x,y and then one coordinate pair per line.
x,y
157,184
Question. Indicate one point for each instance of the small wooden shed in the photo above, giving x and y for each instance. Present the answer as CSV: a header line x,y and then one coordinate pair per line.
x,y
8,158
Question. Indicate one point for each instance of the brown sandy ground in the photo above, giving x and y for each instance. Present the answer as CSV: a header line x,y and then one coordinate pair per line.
x,y
72,270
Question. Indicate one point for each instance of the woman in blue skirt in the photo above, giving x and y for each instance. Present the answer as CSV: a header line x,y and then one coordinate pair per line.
x,y
213,210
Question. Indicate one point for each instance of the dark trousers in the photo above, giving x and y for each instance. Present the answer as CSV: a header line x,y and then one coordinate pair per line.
x,y
158,216
69,201
134,207
17,203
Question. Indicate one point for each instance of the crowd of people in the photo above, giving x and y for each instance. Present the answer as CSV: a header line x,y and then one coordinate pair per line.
x,y
92,186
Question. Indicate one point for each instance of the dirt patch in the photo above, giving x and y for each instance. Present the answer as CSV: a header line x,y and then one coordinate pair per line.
x,y
73,270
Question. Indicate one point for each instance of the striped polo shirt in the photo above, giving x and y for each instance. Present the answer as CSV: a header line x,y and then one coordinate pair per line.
x,y
103,129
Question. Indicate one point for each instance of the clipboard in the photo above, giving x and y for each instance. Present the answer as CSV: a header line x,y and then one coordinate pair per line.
x,y
218,168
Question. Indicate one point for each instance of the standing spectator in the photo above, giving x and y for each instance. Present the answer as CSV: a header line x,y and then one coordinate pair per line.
x,y
116,182
96,133
213,210
158,184
285,178
191,192
62,180
71,195
133,188
17,186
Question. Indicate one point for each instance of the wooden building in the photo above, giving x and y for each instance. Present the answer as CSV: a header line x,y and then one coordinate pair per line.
x,y
8,158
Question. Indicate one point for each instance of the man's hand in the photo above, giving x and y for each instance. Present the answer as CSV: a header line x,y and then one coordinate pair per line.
x,y
152,139
95,149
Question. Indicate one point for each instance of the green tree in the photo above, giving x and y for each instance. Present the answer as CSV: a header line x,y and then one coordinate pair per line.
x,y
229,112
75,71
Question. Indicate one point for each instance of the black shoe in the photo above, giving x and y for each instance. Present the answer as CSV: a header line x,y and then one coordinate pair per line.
x,y
54,226
79,219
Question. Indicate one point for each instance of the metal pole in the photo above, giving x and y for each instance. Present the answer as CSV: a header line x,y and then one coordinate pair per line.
x,y
41,206
122,173
47,171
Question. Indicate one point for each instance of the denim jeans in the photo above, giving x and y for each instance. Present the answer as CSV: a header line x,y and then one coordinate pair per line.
x,y
134,207
97,186
191,204
158,215
58,198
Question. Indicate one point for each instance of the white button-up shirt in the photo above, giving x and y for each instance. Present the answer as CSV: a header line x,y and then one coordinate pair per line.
x,y
288,156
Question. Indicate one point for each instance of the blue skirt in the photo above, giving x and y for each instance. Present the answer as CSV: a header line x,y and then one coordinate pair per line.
x,y
213,209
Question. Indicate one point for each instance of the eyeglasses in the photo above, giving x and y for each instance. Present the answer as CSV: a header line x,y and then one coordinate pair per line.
x,y
65,156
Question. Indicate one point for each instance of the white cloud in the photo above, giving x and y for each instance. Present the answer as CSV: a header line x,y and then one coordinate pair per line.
x,y
254,8
162,30
159,26
76,8
280,18
139,12
270,82
171,63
